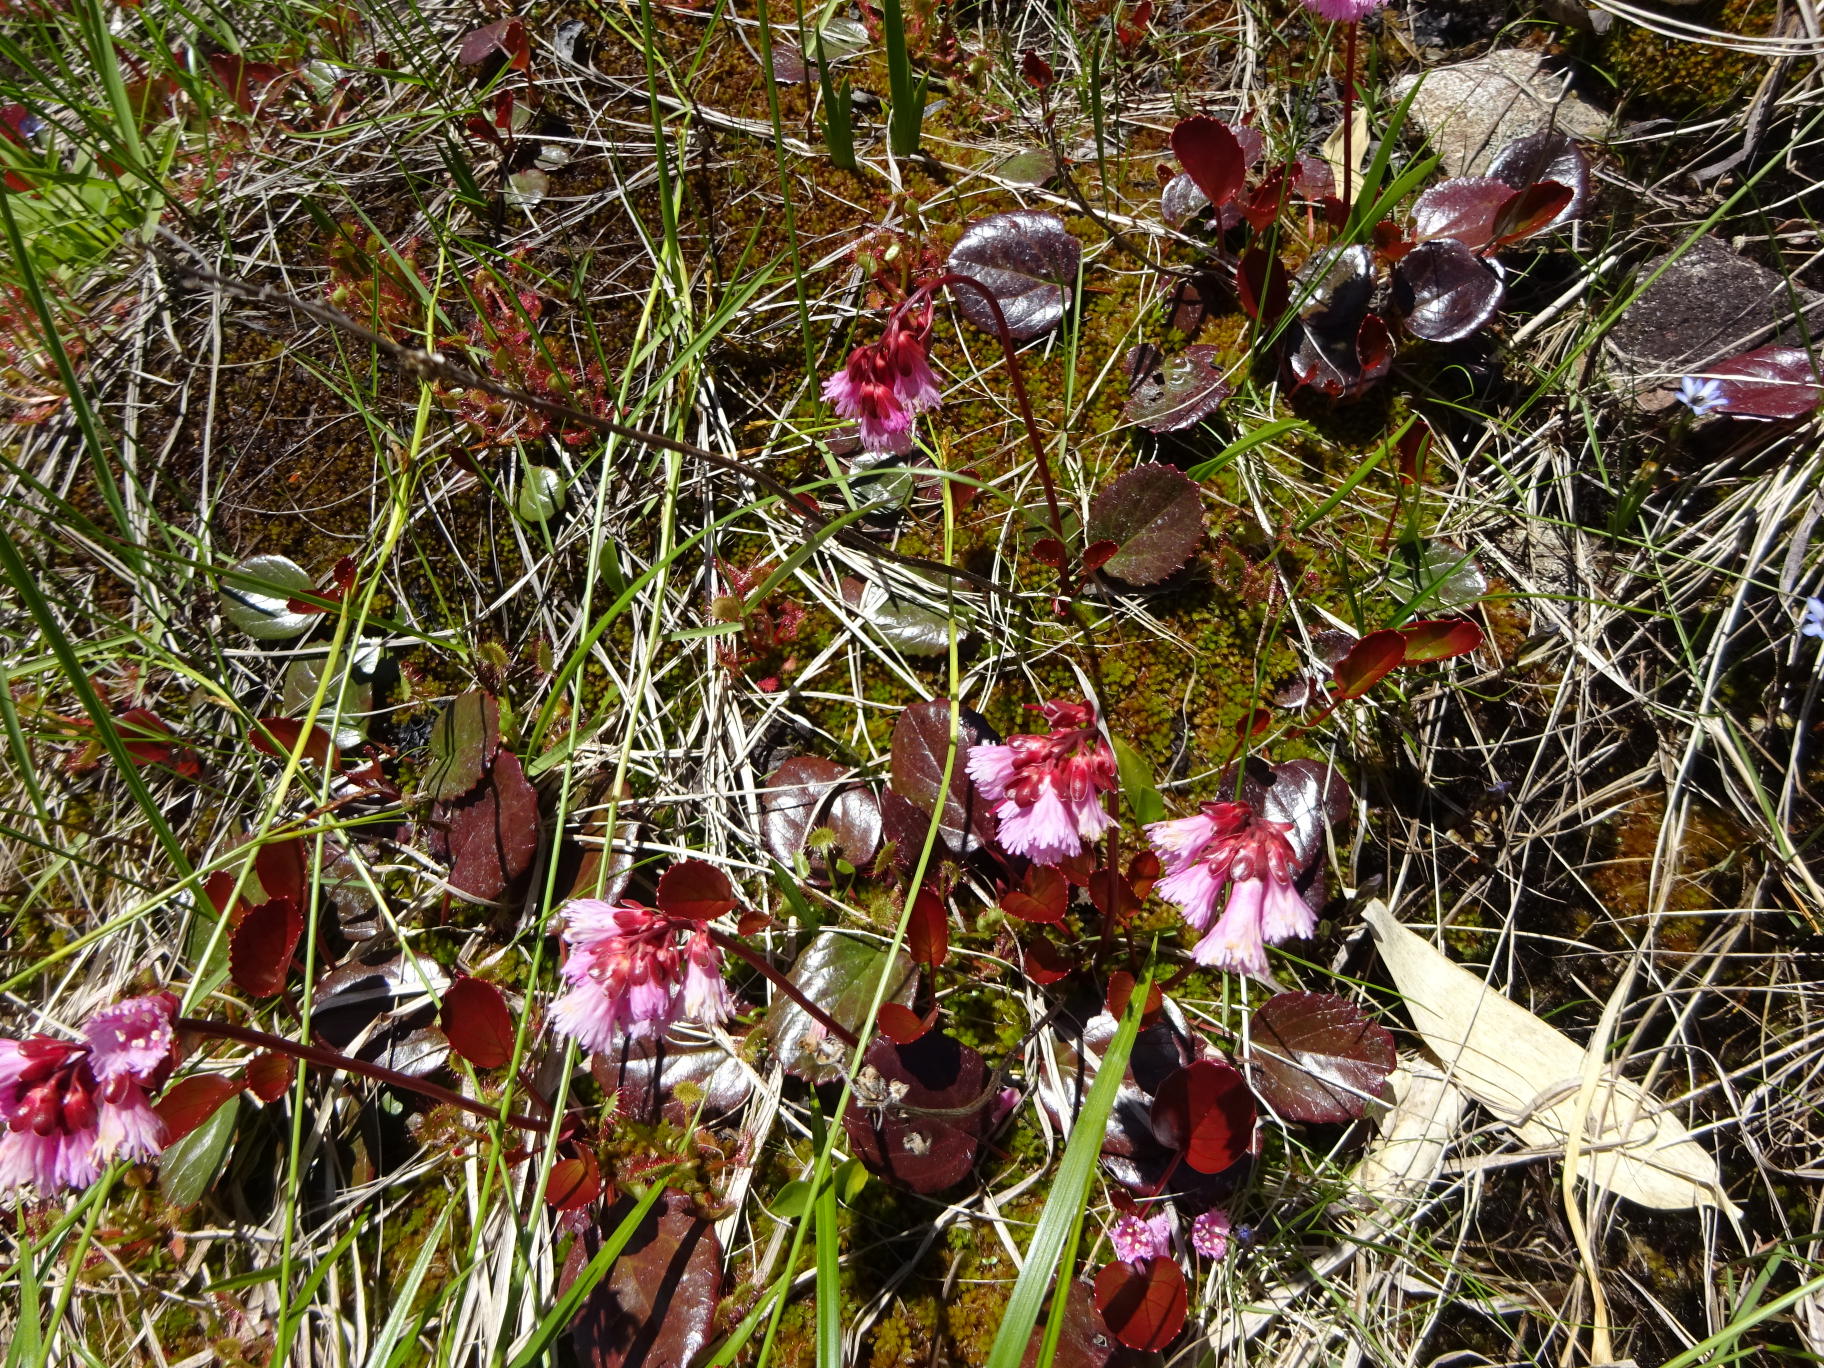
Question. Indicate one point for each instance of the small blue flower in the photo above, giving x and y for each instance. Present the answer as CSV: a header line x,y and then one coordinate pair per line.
x,y
1813,625
1701,396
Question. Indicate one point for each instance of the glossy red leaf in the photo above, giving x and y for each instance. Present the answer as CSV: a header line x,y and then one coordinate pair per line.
x,y
280,867
1546,156
1121,991
900,1024
1211,155
696,890
1098,554
269,1075
1112,894
1144,1306
574,1182
1205,1112
1043,896
1142,873
1051,552
278,737
1531,211
922,1135
1262,286
1028,260
261,947
144,736
1368,662
1445,292
928,930
505,36
1439,639
1317,1057
1768,382
1045,961
1036,71
809,793
189,1103
1267,199
476,1019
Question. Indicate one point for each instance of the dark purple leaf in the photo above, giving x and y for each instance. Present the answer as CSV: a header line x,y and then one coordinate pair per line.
x,y
1768,382
1439,639
656,1308
1211,155
1083,1340
192,1101
463,742
1316,1057
1314,179
261,947
1155,513
838,973
921,741
1098,554
918,1118
1444,291
1368,662
505,37
1028,260
1531,211
477,1023
697,891
1142,1306
1251,140
789,67
494,831
646,1074
1191,301
807,793
1036,71
1180,200
1339,367
1333,290
1463,209
1205,1112
1170,393
1547,156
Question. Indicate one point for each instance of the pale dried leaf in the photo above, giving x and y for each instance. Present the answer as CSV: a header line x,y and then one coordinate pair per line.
x,y
1528,1074
1413,1133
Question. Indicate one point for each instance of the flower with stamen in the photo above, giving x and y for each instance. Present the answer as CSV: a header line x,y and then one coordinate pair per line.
x,y
1229,845
1701,396
71,1107
1048,789
628,975
1137,1240
1210,1234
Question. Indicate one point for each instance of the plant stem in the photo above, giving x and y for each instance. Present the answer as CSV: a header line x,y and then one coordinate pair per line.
x,y
335,1059
954,278
1349,112
757,962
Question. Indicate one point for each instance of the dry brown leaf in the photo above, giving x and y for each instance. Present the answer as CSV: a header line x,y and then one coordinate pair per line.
x,y
1528,1074
1408,1152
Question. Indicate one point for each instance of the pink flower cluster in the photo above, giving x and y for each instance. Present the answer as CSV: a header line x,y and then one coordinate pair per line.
x,y
884,386
1210,1234
1229,844
1344,11
71,1107
629,976
1136,1240
1048,789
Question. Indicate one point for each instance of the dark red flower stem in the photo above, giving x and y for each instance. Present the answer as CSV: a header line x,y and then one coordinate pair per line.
x,y
335,1059
954,278
757,962
1349,113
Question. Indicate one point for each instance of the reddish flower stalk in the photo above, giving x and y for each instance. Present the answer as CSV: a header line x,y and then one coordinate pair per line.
x,y
327,1058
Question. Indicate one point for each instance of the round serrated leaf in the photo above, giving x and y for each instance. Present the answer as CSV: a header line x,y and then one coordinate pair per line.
x,y
1028,260
1155,515
1444,292
1173,392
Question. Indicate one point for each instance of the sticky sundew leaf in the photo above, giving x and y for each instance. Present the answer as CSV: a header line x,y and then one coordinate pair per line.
x,y
1028,260
1154,514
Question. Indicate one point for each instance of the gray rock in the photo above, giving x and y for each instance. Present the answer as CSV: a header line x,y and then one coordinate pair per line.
x,y
1471,110
1709,304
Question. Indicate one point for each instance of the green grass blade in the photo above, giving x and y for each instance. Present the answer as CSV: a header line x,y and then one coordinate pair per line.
x,y
1063,1216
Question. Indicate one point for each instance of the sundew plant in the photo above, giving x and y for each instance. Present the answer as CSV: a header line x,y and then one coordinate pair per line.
x,y
910,683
